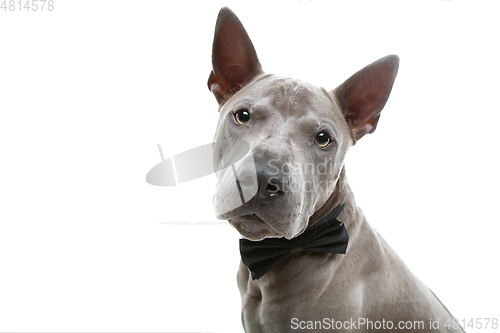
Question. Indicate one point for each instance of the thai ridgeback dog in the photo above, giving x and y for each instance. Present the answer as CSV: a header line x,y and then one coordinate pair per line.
x,y
291,179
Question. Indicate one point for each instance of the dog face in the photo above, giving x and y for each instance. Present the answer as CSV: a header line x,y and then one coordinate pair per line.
x,y
297,134
298,139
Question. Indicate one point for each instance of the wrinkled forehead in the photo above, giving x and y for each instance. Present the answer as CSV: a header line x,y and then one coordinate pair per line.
x,y
287,97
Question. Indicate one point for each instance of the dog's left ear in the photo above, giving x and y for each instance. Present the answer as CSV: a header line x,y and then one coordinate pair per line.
x,y
234,59
363,96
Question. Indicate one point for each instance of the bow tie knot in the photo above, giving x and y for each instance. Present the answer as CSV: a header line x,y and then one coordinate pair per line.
x,y
296,246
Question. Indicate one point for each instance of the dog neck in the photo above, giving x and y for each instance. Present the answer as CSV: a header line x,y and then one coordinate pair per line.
x,y
341,194
351,215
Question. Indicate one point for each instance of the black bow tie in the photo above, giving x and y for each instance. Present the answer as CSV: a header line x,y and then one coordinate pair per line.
x,y
328,235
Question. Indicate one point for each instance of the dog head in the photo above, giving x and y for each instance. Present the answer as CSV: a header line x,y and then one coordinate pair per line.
x,y
298,134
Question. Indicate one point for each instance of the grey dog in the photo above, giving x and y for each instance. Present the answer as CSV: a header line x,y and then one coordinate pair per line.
x,y
291,127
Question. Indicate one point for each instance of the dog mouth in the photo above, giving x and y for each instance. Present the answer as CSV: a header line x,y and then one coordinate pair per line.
x,y
260,218
253,227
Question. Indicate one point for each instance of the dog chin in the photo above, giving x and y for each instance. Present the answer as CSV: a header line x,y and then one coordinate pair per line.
x,y
253,228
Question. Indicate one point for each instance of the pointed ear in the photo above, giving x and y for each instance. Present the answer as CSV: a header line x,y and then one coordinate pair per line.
x,y
364,94
234,59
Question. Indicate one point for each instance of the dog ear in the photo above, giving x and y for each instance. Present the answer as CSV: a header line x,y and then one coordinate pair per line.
x,y
234,59
364,94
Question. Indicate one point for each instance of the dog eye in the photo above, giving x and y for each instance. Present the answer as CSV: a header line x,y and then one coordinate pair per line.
x,y
242,116
322,139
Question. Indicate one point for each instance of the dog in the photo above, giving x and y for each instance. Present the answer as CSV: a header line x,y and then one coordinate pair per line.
x,y
277,193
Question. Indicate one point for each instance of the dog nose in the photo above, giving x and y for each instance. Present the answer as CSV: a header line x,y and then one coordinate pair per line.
x,y
263,176
273,187
272,181
269,185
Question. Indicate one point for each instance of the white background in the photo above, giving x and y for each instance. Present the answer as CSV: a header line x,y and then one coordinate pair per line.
x,y
88,90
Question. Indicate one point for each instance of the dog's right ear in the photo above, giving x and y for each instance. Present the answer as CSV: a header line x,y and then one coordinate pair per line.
x,y
234,59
